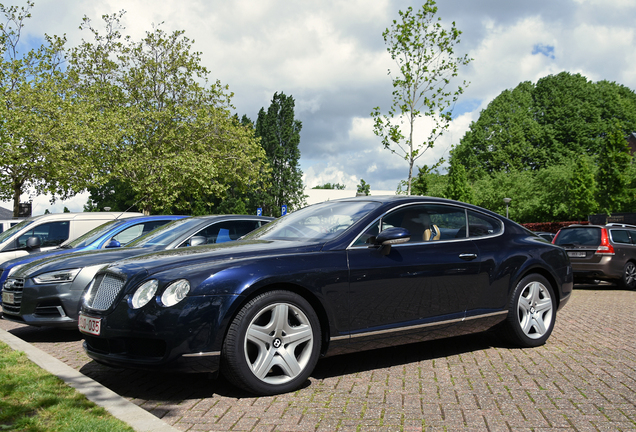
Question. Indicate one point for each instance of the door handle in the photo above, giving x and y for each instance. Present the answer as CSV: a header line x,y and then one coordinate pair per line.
x,y
468,256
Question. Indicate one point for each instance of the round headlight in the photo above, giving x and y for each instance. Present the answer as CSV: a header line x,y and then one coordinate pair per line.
x,y
144,294
175,292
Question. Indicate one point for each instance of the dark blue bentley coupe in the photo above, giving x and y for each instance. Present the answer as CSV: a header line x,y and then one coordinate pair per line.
x,y
332,278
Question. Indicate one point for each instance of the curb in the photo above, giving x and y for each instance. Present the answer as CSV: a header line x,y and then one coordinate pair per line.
x,y
138,418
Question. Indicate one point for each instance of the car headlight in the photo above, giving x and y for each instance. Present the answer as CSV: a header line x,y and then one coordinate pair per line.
x,y
59,276
175,292
144,294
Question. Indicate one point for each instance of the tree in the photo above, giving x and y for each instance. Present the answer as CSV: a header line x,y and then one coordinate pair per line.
x,y
535,126
363,187
458,187
424,53
279,132
164,129
115,194
582,187
41,121
336,186
614,160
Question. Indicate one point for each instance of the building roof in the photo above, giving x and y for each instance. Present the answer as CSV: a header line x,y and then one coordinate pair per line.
x,y
5,214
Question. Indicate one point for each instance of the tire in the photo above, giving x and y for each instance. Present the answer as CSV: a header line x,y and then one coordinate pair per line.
x,y
531,312
628,279
273,344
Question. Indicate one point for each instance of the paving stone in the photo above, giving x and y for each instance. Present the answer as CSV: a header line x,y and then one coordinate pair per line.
x,y
582,379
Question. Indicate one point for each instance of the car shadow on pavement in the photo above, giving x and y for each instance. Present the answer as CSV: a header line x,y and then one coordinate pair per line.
x,y
142,386
45,334
405,354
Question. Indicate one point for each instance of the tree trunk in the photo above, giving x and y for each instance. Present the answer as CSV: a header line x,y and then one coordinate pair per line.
x,y
17,189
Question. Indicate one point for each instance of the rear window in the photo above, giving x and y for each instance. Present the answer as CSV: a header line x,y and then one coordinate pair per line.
x,y
579,237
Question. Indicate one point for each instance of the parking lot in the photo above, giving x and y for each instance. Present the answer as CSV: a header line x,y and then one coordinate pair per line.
x,y
583,379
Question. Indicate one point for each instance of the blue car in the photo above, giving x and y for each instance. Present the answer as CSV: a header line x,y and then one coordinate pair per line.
x,y
112,234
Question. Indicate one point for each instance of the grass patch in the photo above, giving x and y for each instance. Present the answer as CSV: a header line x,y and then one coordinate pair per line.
x,y
34,400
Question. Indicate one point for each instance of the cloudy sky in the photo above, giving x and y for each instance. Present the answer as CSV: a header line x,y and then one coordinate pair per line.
x,y
331,57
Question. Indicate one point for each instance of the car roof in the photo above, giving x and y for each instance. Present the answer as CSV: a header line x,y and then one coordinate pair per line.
x,y
86,215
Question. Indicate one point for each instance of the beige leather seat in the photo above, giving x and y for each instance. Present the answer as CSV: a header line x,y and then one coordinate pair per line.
x,y
431,231
420,227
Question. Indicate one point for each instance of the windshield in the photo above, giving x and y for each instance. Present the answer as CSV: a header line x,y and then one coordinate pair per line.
x,y
165,234
91,236
14,229
322,221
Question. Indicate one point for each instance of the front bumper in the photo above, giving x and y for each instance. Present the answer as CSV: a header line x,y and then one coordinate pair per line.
x,y
186,337
42,305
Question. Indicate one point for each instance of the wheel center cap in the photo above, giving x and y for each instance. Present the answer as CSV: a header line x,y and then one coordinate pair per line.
x,y
277,343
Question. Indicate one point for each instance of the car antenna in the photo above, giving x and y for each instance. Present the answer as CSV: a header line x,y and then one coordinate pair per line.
x,y
134,204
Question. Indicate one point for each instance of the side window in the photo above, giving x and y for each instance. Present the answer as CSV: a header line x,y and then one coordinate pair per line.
x,y
226,231
50,234
633,236
431,222
366,236
131,233
480,225
620,236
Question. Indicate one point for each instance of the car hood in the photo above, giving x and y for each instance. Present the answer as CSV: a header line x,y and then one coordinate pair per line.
x,y
36,256
77,260
242,249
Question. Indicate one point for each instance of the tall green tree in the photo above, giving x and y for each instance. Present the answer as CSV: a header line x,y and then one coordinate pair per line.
x,y
279,132
424,52
582,188
458,187
42,123
535,126
165,129
614,159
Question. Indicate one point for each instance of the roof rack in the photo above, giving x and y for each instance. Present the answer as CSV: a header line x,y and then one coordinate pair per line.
x,y
621,225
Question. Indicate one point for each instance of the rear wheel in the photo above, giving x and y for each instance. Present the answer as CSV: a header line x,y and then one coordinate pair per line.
x,y
531,312
273,344
629,276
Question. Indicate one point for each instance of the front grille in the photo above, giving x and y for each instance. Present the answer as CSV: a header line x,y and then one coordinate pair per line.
x,y
104,291
14,286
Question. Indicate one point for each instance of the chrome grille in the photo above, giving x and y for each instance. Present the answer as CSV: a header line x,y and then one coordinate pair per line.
x,y
14,286
103,291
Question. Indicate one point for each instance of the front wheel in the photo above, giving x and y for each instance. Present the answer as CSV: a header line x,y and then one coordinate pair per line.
x,y
531,312
273,344
629,276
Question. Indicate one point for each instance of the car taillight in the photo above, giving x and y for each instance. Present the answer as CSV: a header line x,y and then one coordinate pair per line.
x,y
556,237
605,248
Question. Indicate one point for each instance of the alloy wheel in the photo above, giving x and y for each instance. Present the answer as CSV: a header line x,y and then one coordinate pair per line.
x,y
278,343
535,310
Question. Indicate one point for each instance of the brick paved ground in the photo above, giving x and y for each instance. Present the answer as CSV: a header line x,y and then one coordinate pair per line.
x,y
583,379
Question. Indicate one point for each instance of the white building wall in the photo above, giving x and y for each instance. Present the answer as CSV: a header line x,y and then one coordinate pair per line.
x,y
315,196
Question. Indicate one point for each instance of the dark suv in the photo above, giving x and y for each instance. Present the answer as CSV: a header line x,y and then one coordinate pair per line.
x,y
601,252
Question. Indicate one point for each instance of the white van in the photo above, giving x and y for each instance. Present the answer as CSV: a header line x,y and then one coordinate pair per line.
x,y
45,232
5,224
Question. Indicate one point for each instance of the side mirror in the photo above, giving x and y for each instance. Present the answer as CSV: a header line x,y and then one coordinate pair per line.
x,y
391,236
33,243
112,244
198,240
